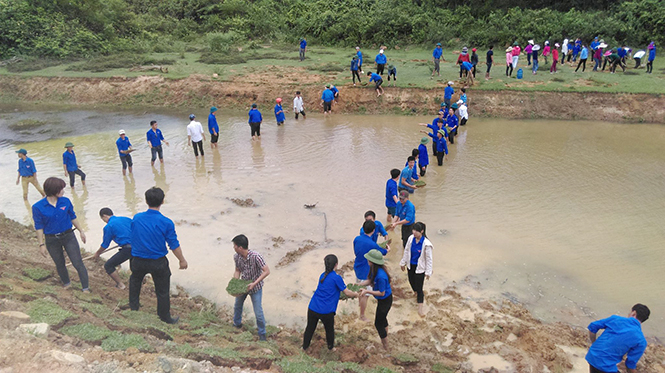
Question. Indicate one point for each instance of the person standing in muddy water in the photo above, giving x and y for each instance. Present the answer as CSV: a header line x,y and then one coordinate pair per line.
x,y
380,229
327,98
406,177
417,258
279,111
118,229
298,106
71,166
255,119
423,157
195,135
150,233
213,127
379,280
323,304
124,150
27,173
251,266
361,246
155,138
392,196
405,216
622,336
437,124
439,140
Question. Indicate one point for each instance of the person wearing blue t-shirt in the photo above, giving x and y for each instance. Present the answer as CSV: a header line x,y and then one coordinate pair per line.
x,y
584,55
452,122
392,196
417,258
124,148
303,48
71,166
423,157
378,80
380,60
439,139
155,138
323,304
379,230
335,92
379,280
359,54
415,153
406,216
354,70
279,112
327,98
437,124
255,119
118,229
213,127
406,177
27,173
652,56
468,70
361,246
622,336
436,57
448,94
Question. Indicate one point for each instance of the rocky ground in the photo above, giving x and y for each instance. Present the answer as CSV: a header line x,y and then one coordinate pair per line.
x,y
46,328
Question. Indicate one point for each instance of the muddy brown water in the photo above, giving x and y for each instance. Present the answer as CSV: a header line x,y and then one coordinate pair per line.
x,y
565,217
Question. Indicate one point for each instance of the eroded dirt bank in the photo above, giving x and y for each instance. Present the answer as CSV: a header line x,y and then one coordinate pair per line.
x,y
199,91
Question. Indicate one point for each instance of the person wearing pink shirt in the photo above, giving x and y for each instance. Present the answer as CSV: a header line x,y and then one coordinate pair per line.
x,y
516,54
546,51
555,58
528,49
509,61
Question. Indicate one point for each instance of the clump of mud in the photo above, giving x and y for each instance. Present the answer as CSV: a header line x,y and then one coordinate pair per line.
x,y
294,255
243,202
277,241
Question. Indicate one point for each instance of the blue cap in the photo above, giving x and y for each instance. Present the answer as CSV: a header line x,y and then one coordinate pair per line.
x,y
213,109
438,44
192,116
22,151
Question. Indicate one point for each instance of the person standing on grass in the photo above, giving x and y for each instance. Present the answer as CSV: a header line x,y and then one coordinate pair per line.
x,y
380,60
474,61
423,157
392,196
54,217
417,258
118,229
354,70
359,54
546,51
298,105
155,138
405,216
379,230
652,56
251,266
597,57
303,48
534,59
528,49
279,112
392,70
584,54
516,54
71,166
151,232
463,57
327,98
622,336
564,51
376,78
489,61
255,119
27,173
379,279
323,304
509,61
213,127
577,48
436,57
124,150
361,246
555,58
439,140
448,94
195,135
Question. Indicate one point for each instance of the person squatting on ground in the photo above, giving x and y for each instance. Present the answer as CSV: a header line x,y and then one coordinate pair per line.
x,y
27,173
392,71
379,279
195,135
54,217
376,78
71,166
155,138
250,266
124,149
363,244
417,258
118,229
298,105
255,119
323,304
151,232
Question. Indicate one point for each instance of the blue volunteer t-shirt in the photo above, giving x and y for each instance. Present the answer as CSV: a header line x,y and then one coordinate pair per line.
x,y
448,92
452,121
334,90
151,231
381,283
360,57
381,58
155,137
438,52
122,145
361,246
303,44
406,211
354,64
326,296
375,77
416,250
279,116
441,144
327,95
53,220
26,168
406,175
379,230
414,171
118,229
423,158
212,124
467,65
391,190
255,116
622,336
69,159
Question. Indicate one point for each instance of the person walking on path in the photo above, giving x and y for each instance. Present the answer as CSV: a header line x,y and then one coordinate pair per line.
x,y
354,70
150,233
54,217
323,304
363,244
27,173
195,135
118,229
359,54
155,138
474,61
584,55
489,61
463,57
279,112
124,150
71,166
327,98
392,196
622,336
534,59
564,51
298,105
250,266
509,61
516,54
436,57
213,127
439,139
417,258
303,48
379,279
378,80
379,230
652,56
405,216
555,58
528,49
448,93
380,60
423,157
255,119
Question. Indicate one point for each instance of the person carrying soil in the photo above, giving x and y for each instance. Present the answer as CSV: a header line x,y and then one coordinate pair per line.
x,y
323,304
489,61
392,71
54,217
376,78
509,61
380,60
379,280
392,193
124,150
417,258
251,266
298,105
415,153
195,135
327,98
279,112
27,173
436,57
213,127
379,230
423,157
363,244
71,166
255,119
622,336
406,177
463,57
354,70
155,138
439,140
405,216
118,229
151,232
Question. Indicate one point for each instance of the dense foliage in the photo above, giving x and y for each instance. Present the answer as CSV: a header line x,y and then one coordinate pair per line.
x,y
81,28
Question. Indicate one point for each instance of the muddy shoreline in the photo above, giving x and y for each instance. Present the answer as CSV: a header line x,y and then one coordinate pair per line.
x,y
202,91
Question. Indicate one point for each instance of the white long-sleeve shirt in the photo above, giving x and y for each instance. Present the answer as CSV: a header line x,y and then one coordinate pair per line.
x,y
195,130
463,112
297,104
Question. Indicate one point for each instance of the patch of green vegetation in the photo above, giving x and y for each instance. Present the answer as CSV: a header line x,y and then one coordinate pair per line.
x,y
202,318
222,58
87,332
26,124
41,310
440,368
329,67
237,286
120,61
306,364
352,287
270,329
119,342
99,310
89,297
33,64
224,353
406,359
36,273
139,320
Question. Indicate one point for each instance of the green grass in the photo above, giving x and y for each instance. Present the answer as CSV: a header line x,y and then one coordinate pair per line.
x,y
87,332
440,368
139,320
305,364
41,310
37,274
120,342
99,310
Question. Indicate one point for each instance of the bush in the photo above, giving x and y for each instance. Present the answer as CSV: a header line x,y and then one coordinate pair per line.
x,y
220,42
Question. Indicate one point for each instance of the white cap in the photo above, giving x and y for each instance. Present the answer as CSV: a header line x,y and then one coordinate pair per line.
x,y
450,83
121,132
381,51
357,47
460,102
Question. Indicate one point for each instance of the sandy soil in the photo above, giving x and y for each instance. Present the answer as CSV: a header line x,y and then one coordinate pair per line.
x,y
263,88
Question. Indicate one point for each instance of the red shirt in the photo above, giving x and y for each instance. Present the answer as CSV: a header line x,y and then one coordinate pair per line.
x,y
555,54
463,58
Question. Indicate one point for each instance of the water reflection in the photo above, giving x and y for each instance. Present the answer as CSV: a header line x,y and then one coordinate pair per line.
x,y
80,205
160,178
131,199
217,165
258,157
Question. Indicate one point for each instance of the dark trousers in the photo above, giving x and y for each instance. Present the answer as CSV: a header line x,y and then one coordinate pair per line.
x,y
72,175
301,112
434,148
509,67
474,71
416,280
123,255
155,151
126,161
439,158
57,246
563,58
582,63
354,74
379,68
328,321
423,170
593,369
381,319
650,66
161,276
451,135
638,61
462,122
407,230
198,144
302,54
256,128
528,59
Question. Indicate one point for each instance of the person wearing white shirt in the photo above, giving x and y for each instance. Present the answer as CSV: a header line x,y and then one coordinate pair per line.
x,y
195,135
462,112
298,106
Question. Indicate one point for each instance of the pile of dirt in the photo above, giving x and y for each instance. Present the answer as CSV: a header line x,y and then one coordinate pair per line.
x,y
243,202
294,255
